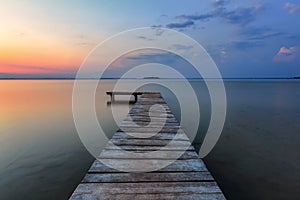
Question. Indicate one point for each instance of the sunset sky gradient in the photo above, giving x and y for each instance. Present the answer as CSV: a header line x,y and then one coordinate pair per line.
x,y
50,39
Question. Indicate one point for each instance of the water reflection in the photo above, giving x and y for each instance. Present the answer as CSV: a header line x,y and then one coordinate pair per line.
x,y
257,156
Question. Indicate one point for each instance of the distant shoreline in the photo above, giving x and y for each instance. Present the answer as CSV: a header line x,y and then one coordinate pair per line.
x,y
281,78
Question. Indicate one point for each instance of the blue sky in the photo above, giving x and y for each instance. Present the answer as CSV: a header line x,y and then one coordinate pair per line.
x,y
257,38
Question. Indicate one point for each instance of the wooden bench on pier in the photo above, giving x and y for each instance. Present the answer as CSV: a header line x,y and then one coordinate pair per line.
x,y
112,95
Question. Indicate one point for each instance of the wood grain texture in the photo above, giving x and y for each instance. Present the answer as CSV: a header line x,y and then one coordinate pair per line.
x,y
149,139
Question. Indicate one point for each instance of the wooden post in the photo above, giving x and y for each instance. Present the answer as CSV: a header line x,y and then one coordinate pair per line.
x,y
135,98
112,97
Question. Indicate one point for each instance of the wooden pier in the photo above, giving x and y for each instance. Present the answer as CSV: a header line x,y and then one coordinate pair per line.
x,y
185,178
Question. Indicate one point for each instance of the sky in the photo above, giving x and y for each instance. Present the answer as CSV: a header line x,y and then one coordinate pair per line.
x,y
246,39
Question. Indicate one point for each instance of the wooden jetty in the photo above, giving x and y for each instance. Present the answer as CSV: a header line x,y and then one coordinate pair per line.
x,y
185,178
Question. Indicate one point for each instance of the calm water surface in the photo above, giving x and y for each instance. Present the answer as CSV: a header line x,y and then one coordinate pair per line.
x,y
257,156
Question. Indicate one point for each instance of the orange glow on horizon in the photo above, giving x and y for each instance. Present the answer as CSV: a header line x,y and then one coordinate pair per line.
x,y
38,54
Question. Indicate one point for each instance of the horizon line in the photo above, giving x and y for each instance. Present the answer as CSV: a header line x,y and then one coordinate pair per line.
x,y
66,78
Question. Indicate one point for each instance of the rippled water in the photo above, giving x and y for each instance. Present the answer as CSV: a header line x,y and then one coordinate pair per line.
x,y
257,156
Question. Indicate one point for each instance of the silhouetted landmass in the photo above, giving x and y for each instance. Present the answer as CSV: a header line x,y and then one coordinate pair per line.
x,y
151,77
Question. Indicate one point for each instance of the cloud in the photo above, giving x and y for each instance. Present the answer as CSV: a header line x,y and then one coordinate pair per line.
x,y
85,44
222,54
144,38
252,37
246,44
129,61
291,8
21,67
241,16
156,26
286,54
218,3
260,33
184,24
294,37
196,17
158,29
267,35
254,30
182,47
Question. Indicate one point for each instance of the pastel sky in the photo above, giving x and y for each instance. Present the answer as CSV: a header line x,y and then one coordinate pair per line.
x,y
51,38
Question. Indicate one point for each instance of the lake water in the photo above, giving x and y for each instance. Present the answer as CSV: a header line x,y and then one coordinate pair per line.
x,y
257,156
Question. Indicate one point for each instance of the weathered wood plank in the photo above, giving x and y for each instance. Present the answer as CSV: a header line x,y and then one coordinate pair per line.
x,y
147,177
193,165
148,119
145,114
149,148
150,100
143,124
159,136
149,126
168,129
156,109
153,104
165,196
141,142
103,190
117,154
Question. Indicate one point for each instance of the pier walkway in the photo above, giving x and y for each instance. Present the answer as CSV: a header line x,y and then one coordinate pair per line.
x,y
185,177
